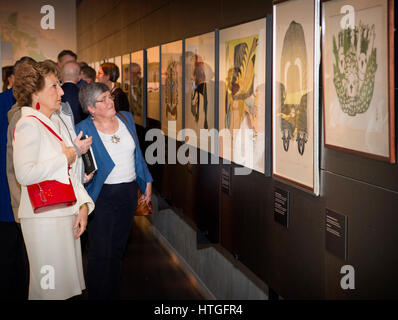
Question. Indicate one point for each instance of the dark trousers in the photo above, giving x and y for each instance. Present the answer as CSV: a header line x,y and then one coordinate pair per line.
x,y
108,231
14,264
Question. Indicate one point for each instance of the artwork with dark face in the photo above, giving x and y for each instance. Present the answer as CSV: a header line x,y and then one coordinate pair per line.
x,y
199,93
171,88
200,87
293,88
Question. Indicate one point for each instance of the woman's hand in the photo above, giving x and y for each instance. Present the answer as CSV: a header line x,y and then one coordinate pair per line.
x,y
87,178
84,144
148,193
69,152
81,221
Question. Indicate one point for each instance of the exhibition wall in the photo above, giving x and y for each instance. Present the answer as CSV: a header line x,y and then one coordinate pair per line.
x,y
238,211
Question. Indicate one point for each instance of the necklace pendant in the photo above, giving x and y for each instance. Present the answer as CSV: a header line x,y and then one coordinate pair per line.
x,y
115,139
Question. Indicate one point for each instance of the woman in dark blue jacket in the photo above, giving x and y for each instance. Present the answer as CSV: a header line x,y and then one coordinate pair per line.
x,y
121,170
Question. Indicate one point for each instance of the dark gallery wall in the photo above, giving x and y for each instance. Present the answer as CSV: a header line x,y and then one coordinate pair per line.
x,y
293,261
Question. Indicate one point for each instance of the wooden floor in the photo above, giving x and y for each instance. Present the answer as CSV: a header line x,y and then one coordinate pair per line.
x,y
149,272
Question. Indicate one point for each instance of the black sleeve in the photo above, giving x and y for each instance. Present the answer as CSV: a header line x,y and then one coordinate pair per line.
x,y
121,100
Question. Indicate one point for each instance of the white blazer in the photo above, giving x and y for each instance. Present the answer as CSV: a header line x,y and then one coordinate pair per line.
x,y
38,157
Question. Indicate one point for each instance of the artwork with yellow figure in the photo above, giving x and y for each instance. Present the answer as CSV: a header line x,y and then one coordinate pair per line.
x,y
293,88
242,94
239,83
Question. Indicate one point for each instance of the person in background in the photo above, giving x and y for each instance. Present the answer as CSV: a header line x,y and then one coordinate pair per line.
x,y
8,77
14,265
87,74
70,75
82,64
108,74
66,56
121,170
51,237
81,81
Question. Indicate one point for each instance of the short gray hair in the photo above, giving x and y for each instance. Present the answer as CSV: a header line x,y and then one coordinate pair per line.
x,y
89,93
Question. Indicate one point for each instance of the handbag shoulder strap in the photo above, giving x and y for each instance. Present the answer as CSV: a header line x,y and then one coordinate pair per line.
x,y
48,128
51,130
123,116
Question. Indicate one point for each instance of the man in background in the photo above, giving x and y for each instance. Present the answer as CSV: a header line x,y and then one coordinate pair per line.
x,y
66,56
88,74
81,82
70,74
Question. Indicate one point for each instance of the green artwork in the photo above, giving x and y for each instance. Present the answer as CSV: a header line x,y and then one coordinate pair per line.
x,y
22,42
355,68
293,88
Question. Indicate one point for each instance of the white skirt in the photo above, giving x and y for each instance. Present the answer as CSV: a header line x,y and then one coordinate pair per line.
x,y
55,258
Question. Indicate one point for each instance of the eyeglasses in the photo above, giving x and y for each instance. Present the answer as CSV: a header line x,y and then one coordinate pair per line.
x,y
111,98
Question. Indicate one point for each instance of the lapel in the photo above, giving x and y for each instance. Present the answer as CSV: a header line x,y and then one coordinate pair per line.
x,y
92,131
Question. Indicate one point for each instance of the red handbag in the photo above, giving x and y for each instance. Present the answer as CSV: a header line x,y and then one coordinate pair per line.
x,y
50,194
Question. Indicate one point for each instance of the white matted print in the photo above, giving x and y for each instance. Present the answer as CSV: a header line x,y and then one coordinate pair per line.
x,y
137,87
242,94
172,82
199,86
153,82
358,106
295,93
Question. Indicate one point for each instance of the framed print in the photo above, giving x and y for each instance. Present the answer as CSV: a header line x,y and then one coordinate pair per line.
x,y
242,65
296,50
126,75
137,106
172,82
200,86
358,77
153,82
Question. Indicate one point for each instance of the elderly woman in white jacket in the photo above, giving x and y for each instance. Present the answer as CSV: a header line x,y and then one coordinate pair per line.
x,y
51,237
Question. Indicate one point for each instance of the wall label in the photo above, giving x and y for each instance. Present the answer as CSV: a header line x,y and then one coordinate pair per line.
x,y
281,206
336,234
226,180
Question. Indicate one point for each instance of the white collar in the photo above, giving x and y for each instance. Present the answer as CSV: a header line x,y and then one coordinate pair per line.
x,y
29,111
